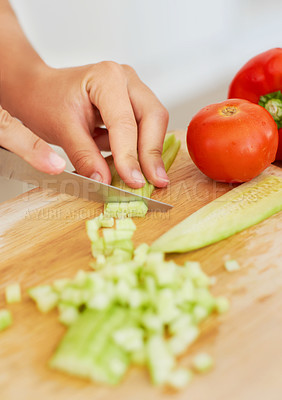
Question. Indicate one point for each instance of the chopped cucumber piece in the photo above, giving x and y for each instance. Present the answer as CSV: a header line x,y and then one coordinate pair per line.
x,y
100,301
100,260
13,293
225,216
121,255
125,224
68,314
92,227
231,265
205,299
152,322
98,247
74,296
179,378
222,304
81,278
154,259
166,308
182,340
107,222
143,248
138,357
187,292
180,324
109,235
140,254
60,284
112,235
160,359
200,313
203,362
129,338
5,319
124,244
111,365
45,297
137,298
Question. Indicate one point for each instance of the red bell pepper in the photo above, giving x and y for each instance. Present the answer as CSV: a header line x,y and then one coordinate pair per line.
x,y
260,81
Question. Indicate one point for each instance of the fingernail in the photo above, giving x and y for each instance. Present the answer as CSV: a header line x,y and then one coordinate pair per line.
x,y
96,176
137,176
161,174
56,161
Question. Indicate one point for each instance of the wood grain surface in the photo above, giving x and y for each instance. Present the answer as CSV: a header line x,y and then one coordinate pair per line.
x,y
42,238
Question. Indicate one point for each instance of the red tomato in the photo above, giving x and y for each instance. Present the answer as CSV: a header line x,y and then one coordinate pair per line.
x,y
260,76
232,141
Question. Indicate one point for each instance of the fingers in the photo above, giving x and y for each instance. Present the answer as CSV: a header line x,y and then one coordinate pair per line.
x,y
14,136
152,120
84,153
107,88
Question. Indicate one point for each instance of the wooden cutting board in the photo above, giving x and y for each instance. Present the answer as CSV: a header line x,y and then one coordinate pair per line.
x,y
42,238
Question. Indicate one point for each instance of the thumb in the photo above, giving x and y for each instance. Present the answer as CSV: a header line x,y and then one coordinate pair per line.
x,y
14,136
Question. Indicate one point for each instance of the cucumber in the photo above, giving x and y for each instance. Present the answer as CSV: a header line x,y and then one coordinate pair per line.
x,y
242,207
82,348
138,208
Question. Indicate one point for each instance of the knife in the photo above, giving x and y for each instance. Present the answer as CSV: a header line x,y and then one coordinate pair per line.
x,y
14,167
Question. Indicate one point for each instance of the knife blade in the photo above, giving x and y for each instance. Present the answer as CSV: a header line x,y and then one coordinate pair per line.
x,y
14,167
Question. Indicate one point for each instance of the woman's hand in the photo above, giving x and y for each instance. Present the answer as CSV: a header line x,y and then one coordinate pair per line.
x,y
68,107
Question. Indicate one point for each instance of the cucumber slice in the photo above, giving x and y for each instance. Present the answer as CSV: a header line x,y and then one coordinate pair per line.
x,y
242,207
85,341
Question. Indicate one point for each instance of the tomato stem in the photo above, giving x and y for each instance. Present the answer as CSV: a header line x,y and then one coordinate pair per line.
x,y
272,102
228,110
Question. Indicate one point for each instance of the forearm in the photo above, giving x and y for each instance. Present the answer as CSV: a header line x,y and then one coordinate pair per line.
x,y
19,62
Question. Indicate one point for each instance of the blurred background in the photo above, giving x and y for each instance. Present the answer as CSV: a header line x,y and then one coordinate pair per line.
x,y
186,51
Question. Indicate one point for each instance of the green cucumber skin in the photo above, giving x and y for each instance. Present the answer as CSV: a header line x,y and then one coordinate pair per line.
x,y
221,218
82,349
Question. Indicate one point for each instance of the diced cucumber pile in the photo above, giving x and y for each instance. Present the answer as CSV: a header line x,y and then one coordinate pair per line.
x,y
134,308
138,208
